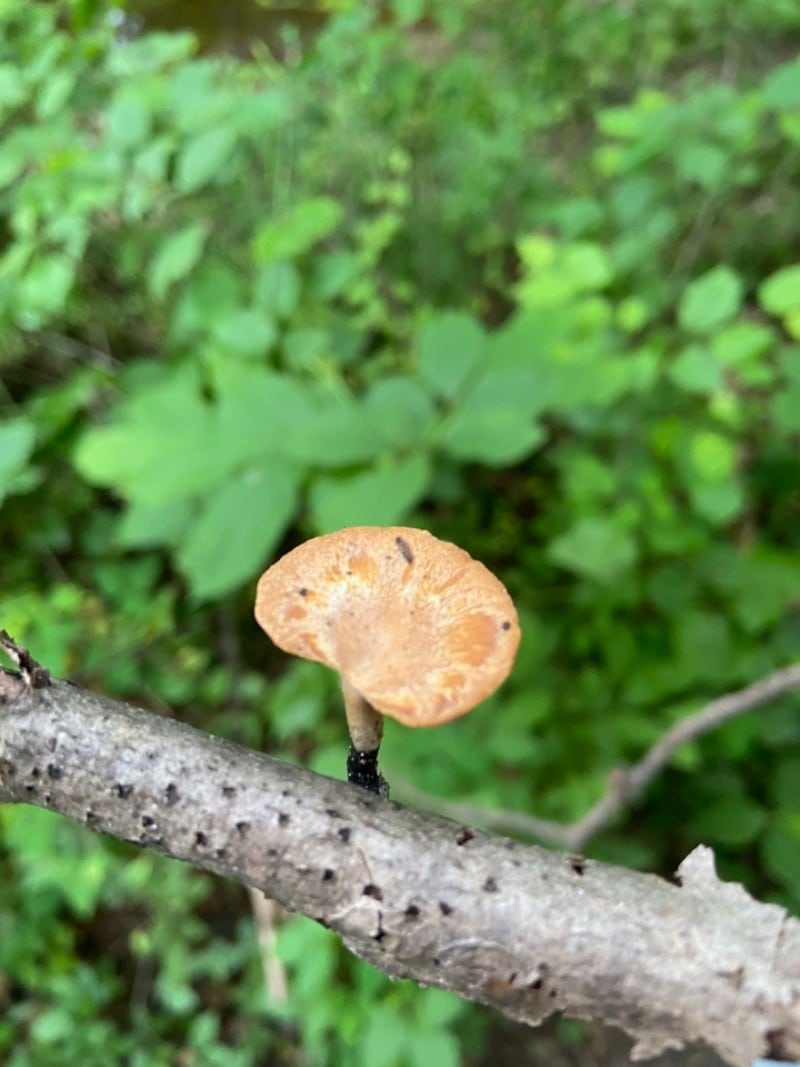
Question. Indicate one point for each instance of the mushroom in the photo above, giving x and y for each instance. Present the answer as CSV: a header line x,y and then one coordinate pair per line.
x,y
416,628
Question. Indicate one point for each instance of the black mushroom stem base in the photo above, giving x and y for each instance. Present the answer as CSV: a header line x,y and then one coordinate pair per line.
x,y
365,727
362,770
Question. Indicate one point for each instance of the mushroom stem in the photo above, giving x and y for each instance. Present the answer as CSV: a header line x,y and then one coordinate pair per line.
x,y
365,727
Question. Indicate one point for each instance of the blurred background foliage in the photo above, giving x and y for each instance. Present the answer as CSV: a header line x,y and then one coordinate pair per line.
x,y
523,274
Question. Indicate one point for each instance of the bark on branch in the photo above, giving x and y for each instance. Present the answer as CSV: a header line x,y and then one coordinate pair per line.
x,y
515,926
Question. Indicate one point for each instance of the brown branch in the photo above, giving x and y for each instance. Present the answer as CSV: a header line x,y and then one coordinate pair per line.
x,y
625,784
529,931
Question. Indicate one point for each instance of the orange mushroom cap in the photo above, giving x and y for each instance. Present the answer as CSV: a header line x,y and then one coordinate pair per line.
x,y
415,625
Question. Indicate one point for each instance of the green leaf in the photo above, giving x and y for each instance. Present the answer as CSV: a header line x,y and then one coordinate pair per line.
x,y
595,548
434,1046
238,528
712,456
381,497
781,87
176,256
44,288
277,288
785,409
497,436
339,435
587,265
780,292
450,349
147,525
401,411
246,332
203,157
306,223
17,438
710,300
785,786
718,502
780,854
742,342
169,442
696,370
732,820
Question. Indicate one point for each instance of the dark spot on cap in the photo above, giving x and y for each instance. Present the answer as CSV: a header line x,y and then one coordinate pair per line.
x,y
405,549
490,886
373,891
53,771
412,912
506,625
303,591
283,818
200,839
328,875
344,834
445,909
124,791
171,794
243,827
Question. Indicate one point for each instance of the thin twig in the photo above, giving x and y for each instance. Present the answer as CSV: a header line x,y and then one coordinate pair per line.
x,y
625,784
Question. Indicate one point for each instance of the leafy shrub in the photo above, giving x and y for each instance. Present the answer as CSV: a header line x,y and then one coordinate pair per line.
x,y
527,279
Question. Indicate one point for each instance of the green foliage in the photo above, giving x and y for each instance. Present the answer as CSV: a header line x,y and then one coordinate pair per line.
x,y
526,278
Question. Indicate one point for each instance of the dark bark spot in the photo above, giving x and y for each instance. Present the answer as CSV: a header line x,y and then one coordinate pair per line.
x,y
437,962
445,909
511,978
150,840
272,852
328,875
148,821
124,791
463,836
411,912
171,794
91,819
228,791
333,813
344,834
220,853
405,549
283,819
243,827
30,788
286,792
200,839
536,984
52,744
373,891
323,922
36,772
380,933
7,768
578,864
490,886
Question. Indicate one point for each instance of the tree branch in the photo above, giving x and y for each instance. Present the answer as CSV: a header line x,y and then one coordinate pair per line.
x,y
528,931
625,784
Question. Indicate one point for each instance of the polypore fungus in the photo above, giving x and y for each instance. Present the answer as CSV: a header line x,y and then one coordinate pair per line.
x,y
416,628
